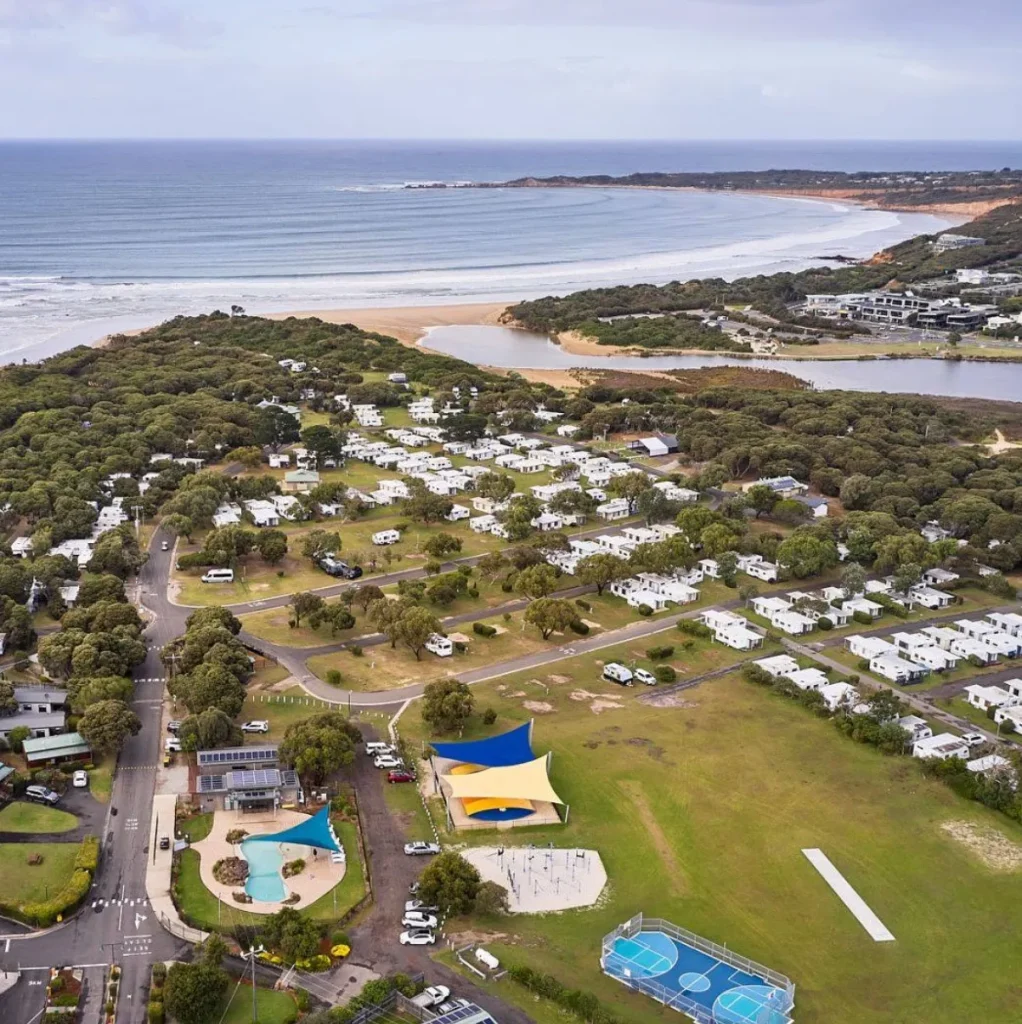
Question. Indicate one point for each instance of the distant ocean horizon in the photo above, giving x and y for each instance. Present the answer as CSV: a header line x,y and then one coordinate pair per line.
x,y
103,236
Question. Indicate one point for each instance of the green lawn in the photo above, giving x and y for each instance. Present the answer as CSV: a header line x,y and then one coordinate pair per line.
x,y
200,907
197,827
101,779
700,812
404,802
280,710
25,817
271,1007
27,883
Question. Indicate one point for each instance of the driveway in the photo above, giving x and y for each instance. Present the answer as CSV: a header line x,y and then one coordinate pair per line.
x,y
91,816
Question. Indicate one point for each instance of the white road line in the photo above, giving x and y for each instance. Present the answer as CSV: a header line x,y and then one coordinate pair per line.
x,y
848,896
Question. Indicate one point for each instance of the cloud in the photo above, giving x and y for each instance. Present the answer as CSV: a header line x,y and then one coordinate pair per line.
x,y
168,23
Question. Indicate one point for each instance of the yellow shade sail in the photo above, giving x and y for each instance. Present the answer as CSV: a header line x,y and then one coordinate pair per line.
x,y
526,781
479,804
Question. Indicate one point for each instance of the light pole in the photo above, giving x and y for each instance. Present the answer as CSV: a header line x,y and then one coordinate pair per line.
x,y
251,956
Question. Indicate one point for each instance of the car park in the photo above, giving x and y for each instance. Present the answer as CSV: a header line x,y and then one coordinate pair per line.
x,y
400,775
417,919
42,795
418,937
974,739
388,761
647,678
257,725
420,848
80,779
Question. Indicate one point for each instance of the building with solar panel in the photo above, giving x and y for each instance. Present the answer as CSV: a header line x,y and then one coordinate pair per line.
x,y
245,779
467,1013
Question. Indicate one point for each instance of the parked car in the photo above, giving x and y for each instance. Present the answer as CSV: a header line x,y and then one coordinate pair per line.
x,y
417,937
42,795
80,779
172,745
416,919
642,676
400,775
419,905
388,761
334,567
376,747
432,996
420,848
974,739
164,842
173,725
256,725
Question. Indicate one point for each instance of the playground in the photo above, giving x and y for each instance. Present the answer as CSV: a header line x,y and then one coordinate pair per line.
x,y
541,879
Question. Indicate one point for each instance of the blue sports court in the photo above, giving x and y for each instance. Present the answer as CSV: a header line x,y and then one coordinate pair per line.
x,y
695,982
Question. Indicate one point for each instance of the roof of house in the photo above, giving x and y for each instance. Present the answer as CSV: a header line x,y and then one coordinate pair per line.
x,y
32,720
39,694
62,745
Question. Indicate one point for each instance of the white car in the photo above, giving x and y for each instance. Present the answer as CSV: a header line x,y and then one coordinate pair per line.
x,y
172,745
974,739
436,993
642,676
258,725
413,905
414,919
388,761
80,779
420,848
417,937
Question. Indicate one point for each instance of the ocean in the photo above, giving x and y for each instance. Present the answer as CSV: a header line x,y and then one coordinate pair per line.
x,y
103,236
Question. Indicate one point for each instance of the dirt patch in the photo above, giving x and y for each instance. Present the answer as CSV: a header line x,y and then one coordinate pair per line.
x,y
655,752
993,848
591,624
476,938
541,707
459,638
637,795
597,703
667,700
517,693
559,679
600,705
498,629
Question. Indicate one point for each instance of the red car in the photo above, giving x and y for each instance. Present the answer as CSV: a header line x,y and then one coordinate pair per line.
x,y
400,776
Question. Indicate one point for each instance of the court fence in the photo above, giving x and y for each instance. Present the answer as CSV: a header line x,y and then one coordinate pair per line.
x,y
671,997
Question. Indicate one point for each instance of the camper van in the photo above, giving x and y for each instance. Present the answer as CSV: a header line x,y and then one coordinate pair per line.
x,y
386,537
440,646
615,673
218,576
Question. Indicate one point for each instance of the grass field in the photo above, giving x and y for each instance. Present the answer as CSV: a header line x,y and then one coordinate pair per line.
x,y
271,1007
200,906
25,817
701,810
101,779
27,883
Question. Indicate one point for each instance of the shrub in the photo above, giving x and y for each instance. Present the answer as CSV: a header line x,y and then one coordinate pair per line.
x,y
644,609
231,870
302,998
334,678
240,896
507,586
155,1013
489,716
579,627
159,972
693,628
584,605
293,867
757,674
481,629
665,674
356,650
460,646
235,835
65,999
824,623
656,653
340,939
862,664
862,617
88,855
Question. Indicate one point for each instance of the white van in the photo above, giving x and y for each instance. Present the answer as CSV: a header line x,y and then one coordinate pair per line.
x,y
439,645
615,673
386,537
375,747
218,576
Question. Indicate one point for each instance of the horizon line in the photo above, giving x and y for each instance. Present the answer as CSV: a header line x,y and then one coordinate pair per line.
x,y
428,140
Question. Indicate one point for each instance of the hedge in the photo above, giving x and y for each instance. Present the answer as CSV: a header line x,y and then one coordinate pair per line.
x,y
693,628
656,653
88,855
482,629
583,1005
579,627
45,912
665,674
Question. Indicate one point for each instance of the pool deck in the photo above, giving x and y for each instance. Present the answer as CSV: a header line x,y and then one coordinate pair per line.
x,y
318,878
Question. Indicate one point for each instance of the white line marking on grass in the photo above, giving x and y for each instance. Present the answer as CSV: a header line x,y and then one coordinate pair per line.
x,y
848,896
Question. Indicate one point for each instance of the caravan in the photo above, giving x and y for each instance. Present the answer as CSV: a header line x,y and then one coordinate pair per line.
x,y
440,646
385,537
615,673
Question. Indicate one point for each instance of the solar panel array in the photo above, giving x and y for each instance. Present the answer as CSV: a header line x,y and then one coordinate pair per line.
x,y
212,784
261,778
464,1013
237,755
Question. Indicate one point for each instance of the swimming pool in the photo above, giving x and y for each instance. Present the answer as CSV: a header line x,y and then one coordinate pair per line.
x,y
265,860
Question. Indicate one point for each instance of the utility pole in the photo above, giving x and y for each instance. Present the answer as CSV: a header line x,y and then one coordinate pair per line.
x,y
139,516
251,956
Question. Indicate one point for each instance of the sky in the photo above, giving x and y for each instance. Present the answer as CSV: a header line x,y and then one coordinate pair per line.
x,y
511,69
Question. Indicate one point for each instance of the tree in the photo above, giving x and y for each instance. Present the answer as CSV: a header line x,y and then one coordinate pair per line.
x,y
791,512
446,705
317,747
93,588
302,605
537,581
117,553
761,499
194,993
884,706
8,704
550,615
655,507
491,898
106,724
323,442
718,538
422,505
84,692
293,936
442,544
321,542
900,549
727,568
601,570
492,565
365,595
630,485
496,486
209,730
272,545
385,616
853,579
17,736
906,577
337,616
210,685
449,883
415,626
102,617
214,615
806,555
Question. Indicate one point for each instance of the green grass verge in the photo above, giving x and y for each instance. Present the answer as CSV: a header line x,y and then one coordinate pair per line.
x,y
30,883
700,809
101,779
25,817
197,827
271,1007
